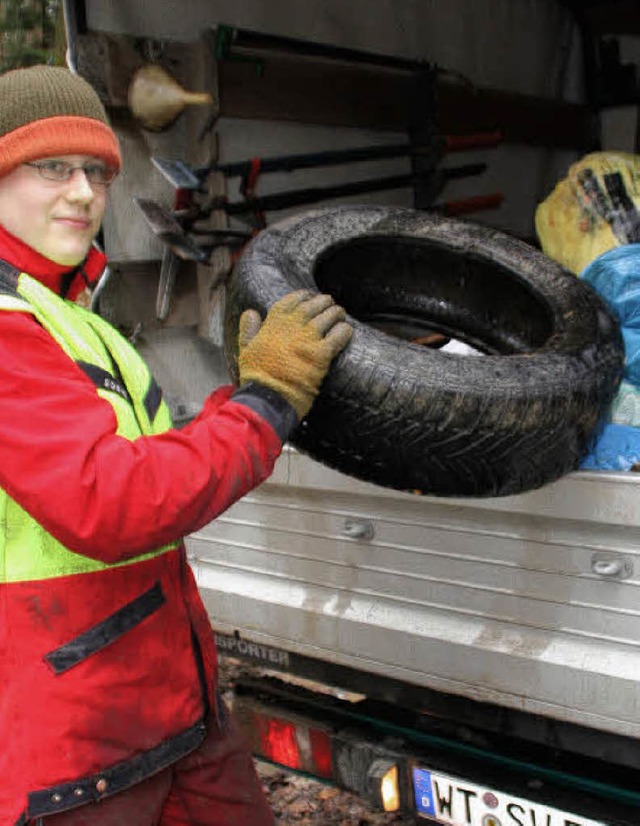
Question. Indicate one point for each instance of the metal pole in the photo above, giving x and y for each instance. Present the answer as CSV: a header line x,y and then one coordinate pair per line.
x,y
71,30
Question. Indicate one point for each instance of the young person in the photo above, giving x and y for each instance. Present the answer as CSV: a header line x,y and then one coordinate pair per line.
x,y
108,705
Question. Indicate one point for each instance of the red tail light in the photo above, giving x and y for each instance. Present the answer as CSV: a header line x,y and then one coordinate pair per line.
x,y
321,751
295,745
278,741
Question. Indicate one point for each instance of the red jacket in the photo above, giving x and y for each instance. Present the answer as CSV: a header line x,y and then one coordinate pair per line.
x,y
138,704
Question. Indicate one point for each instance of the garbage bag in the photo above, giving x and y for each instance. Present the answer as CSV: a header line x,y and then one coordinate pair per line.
x,y
594,209
616,277
617,448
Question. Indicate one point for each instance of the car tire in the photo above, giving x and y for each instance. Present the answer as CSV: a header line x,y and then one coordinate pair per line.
x,y
403,415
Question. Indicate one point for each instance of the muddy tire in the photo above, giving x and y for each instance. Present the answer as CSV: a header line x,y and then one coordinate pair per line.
x,y
406,416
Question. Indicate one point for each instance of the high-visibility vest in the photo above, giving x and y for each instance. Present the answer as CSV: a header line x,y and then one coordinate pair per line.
x,y
106,670
121,378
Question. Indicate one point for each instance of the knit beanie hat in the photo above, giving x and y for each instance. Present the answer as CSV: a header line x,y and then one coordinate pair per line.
x,y
47,111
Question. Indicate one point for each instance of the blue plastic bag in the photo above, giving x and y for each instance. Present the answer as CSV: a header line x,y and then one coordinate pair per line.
x,y
615,275
617,448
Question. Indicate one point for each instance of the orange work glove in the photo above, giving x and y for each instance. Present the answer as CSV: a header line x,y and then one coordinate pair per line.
x,y
292,350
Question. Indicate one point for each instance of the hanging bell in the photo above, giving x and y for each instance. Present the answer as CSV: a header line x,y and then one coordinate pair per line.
x,y
156,99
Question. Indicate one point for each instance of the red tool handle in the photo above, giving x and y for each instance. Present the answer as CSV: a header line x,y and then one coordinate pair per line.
x,y
460,143
474,204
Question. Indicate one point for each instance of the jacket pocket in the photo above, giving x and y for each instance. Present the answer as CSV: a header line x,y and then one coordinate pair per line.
x,y
107,631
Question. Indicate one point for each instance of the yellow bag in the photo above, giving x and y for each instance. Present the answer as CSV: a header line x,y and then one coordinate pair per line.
x,y
594,209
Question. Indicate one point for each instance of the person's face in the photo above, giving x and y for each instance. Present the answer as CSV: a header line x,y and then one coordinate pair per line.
x,y
58,219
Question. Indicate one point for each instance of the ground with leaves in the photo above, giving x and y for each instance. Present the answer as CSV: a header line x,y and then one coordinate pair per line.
x,y
300,800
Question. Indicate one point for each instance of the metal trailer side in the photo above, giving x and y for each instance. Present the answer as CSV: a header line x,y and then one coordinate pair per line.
x,y
528,602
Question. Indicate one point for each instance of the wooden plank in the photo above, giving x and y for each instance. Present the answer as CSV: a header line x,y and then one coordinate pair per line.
x,y
521,118
316,92
305,90
328,92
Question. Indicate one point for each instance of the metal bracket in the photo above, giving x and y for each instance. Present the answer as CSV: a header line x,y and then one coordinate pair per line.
x,y
358,529
166,282
611,566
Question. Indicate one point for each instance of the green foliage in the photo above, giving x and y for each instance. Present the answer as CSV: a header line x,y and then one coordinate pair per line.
x,y
28,32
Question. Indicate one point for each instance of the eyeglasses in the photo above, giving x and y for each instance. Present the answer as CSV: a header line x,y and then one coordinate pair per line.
x,y
97,174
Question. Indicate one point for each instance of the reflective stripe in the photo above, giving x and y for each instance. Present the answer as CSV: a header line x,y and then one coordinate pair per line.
x,y
152,413
152,399
9,302
103,379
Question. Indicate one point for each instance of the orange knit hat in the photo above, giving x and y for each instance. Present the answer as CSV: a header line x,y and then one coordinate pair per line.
x,y
47,111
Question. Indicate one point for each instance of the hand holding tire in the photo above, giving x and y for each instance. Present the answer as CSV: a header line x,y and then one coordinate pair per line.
x,y
292,350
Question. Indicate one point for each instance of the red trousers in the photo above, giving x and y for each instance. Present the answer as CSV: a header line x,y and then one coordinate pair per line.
x,y
215,785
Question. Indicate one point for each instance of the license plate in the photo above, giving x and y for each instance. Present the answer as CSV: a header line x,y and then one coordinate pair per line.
x,y
457,802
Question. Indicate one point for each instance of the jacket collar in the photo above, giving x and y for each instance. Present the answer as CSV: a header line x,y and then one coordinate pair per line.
x,y
66,281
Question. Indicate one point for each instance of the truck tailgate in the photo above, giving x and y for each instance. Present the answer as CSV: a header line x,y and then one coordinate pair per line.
x,y
529,602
